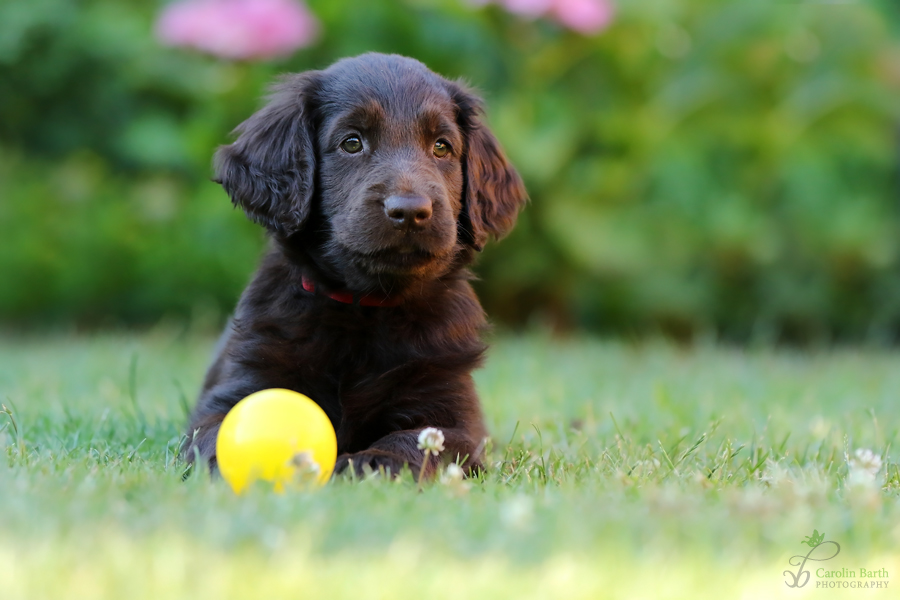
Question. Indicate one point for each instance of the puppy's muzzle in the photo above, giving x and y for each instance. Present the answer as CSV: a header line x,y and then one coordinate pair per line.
x,y
409,212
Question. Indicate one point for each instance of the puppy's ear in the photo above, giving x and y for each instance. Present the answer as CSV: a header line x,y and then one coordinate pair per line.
x,y
269,170
494,193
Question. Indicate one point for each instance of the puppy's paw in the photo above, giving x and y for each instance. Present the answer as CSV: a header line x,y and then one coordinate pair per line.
x,y
370,461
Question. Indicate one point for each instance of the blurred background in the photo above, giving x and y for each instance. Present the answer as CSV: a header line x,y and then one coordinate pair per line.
x,y
697,168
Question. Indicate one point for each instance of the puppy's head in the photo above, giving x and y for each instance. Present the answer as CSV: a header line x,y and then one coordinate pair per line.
x,y
384,163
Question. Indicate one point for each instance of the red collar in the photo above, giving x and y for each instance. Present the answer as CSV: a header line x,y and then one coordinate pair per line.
x,y
350,298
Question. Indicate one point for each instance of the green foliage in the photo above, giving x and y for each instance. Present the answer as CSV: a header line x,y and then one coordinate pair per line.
x,y
702,166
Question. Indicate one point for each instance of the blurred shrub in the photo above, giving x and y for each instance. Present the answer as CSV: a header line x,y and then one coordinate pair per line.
x,y
700,166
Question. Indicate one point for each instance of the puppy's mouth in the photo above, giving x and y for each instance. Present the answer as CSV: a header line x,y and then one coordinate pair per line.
x,y
401,260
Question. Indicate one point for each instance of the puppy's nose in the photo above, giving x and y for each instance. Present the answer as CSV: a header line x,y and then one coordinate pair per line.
x,y
408,212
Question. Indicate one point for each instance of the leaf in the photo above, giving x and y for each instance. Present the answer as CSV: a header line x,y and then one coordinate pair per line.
x,y
815,539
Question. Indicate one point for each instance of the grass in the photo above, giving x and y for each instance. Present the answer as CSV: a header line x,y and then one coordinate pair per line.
x,y
618,471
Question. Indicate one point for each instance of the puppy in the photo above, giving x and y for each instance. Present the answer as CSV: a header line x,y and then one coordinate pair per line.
x,y
377,181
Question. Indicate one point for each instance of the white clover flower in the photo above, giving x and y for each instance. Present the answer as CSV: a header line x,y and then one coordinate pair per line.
x,y
775,474
453,474
304,461
864,458
431,440
517,512
305,466
864,467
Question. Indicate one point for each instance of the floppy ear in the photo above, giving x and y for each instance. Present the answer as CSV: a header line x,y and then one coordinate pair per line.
x,y
494,193
269,170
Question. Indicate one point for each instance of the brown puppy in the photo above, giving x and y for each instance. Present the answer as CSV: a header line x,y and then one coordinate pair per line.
x,y
377,182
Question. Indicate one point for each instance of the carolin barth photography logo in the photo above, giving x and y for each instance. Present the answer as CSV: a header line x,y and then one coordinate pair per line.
x,y
822,550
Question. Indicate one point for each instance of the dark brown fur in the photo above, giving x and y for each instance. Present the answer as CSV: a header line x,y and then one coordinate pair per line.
x,y
381,373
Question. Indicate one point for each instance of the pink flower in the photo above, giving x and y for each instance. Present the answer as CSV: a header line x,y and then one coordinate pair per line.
x,y
238,29
528,8
584,16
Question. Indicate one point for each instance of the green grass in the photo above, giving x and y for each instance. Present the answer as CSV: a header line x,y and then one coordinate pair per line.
x,y
617,471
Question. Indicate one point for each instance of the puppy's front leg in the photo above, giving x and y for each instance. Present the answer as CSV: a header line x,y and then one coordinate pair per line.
x,y
400,448
215,402
202,440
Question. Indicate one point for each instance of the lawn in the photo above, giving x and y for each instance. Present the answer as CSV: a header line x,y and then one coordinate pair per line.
x,y
617,470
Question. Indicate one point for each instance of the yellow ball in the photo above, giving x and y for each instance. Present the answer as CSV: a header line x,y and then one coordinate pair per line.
x,y
279,436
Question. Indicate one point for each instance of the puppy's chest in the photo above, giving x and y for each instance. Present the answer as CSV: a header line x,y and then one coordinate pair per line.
x,y
368,382
357,354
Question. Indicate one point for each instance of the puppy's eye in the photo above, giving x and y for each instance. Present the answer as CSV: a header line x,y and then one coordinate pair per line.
x,y
441,149
352,145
